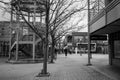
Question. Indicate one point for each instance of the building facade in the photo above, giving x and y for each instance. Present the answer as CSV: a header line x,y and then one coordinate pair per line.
x,y
106,21
79,40
4,38
26,36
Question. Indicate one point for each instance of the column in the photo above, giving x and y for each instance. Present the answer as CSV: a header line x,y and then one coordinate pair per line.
x,y
34,22
10,44
28,16
89,41
41,17
33,46
110,48
17,36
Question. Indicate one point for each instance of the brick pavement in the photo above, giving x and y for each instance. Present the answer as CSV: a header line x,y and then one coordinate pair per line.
x,y
72,67
73,70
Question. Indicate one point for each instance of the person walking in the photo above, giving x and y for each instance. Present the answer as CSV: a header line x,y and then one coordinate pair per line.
x,y
65,51
55,55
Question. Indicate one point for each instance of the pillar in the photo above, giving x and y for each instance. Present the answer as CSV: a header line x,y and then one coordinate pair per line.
x,y
33,46
28,16
41,17
17,35
10,44
110,48
34,22
89,41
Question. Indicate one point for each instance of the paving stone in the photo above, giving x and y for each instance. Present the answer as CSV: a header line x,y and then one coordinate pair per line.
x,y
71,67
71,70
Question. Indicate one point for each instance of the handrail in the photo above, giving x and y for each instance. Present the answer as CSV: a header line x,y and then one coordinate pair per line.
x,y
13,45
38,40
111,5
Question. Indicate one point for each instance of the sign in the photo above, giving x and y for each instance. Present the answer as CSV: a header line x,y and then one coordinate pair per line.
x,y
84,46
98,37
69,44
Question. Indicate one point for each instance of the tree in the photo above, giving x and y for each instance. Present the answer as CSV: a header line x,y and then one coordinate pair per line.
x,y
58,13
61,13
17,7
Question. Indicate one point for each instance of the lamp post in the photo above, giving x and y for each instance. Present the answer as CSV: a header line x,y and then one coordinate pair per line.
x,y
89,54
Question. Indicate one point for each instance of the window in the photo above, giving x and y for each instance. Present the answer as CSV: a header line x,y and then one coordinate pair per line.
x,y
69,39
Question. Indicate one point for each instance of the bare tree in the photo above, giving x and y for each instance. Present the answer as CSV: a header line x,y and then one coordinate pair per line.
x,y
61,12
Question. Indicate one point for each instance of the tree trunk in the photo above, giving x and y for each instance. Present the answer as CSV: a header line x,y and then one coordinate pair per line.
x,y
53,50
43,48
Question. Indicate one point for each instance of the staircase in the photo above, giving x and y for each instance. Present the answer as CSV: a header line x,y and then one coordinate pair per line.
x,y
24,50
25,46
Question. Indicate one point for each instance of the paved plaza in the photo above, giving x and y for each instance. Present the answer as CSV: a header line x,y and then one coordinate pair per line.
x,y
72,67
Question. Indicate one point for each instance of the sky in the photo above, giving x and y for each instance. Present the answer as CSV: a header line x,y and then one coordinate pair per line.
x,y
4,16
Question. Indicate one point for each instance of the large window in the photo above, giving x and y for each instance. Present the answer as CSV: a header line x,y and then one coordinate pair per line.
x,y
69,39
78,39
84,46
117,49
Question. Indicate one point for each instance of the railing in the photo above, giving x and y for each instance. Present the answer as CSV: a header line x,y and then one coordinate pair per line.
x,y
112,5
104,11
13,45
96,7
27,38
13,39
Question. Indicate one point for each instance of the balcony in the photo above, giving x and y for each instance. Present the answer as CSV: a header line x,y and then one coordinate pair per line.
x,y
107,20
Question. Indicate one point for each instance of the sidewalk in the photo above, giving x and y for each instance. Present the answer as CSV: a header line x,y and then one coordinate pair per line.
x,y
72,67
101,64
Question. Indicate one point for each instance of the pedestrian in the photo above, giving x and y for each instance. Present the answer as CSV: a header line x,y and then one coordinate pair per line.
x,y
65,51
103,49
55,55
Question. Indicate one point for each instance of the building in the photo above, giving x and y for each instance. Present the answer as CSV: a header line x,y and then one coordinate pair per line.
x,y
105,20
26,37
4,39
79,40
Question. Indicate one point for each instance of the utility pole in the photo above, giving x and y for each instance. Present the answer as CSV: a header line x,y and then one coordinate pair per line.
x,y
89,42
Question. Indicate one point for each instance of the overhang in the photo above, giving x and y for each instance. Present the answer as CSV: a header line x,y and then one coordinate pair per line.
x,y
30,5
108,29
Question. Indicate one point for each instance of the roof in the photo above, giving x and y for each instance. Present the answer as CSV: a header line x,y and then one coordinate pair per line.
x,y
79,33
30,5
39,26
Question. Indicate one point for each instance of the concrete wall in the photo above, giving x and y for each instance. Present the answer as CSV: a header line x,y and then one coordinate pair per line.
x,y
107,2
98,24
111,14
114,14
